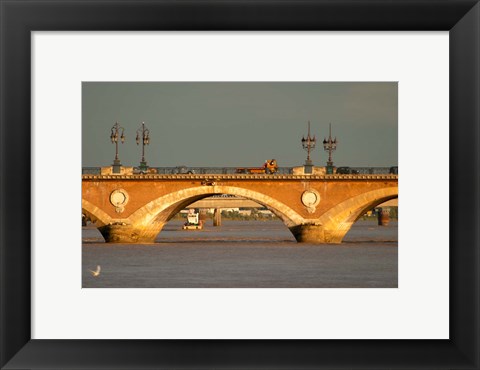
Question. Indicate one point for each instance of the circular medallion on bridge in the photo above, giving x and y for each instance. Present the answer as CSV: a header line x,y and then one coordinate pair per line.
x,y
310,199
119,199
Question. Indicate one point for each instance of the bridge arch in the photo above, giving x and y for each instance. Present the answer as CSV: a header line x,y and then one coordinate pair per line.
x,y
96,215
164,208
337,221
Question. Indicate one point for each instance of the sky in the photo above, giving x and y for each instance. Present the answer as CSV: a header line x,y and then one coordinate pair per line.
x,y
229,124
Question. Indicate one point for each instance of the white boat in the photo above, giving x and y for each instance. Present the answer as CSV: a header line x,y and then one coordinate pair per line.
x,y
193,221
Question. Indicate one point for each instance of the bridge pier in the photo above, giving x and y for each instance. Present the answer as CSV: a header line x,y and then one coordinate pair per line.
x,y
383,216
217,217
119,233
317,234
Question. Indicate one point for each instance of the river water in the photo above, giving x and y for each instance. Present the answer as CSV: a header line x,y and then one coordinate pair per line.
x,y
244,254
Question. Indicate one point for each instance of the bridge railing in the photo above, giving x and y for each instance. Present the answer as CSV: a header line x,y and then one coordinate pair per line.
x,y
210,170
91,170
232,170
372,170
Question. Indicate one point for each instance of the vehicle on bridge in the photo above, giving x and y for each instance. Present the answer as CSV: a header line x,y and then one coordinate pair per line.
x,y
182,170
393,170
144,171
193,221
347,171
269,167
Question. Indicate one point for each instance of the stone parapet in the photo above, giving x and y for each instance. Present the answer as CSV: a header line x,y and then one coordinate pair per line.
x,y
316,171
108,171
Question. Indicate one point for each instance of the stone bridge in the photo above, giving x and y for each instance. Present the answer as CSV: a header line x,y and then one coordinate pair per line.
x,y
316,208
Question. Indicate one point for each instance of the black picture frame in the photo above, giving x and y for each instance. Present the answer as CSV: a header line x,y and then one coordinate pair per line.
x,y
19,18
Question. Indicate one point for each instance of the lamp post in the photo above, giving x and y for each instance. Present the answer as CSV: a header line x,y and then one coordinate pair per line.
x,y
114,136
330,145
143,134
308,144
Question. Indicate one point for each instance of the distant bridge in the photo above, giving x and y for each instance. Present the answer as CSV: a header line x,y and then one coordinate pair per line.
x,y
225,202
241,202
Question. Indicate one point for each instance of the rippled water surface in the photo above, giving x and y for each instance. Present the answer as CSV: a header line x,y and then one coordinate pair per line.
x,y
244,254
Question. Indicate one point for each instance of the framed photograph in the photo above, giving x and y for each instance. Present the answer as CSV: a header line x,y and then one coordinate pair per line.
x,y
163,110
210,215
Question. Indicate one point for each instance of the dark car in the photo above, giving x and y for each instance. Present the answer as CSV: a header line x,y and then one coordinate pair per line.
x,y
346,171
393,170
182,170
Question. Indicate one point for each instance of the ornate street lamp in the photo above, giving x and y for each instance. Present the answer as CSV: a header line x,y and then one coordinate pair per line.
x,y
330,146
143,135
114,136
308,144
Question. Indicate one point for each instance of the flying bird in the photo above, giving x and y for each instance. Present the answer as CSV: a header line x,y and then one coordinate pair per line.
x,y
96,272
